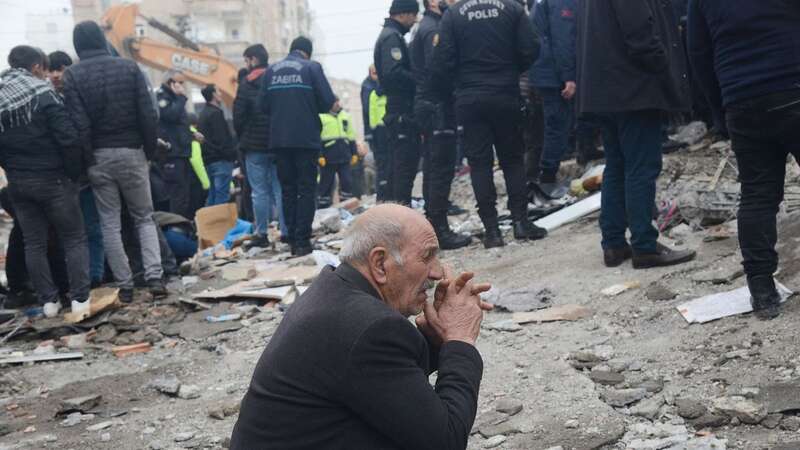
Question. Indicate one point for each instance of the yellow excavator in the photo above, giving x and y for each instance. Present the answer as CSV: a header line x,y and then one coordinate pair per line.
x,y
201,65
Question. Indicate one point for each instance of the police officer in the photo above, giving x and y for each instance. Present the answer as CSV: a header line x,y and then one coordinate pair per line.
x,y
397,81
438,128
173,127
486,45
295,92
338,156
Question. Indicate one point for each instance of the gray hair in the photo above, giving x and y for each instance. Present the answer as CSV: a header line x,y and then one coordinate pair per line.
x,y
368,233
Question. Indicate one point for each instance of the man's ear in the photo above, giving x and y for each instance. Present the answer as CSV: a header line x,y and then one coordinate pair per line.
x,y
378,258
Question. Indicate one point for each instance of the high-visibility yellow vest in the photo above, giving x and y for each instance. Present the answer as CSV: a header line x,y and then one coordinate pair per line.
x,y
337,127
377,109
197,162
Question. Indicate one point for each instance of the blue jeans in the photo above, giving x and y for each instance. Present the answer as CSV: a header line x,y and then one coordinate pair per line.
x,y
220,177
262,172
557,125
94,231
633,163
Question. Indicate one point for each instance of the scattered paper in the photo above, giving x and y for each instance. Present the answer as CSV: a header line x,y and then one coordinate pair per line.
x,y
725,304
101,299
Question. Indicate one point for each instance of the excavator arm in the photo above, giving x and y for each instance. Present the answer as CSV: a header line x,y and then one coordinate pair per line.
x,y
199,64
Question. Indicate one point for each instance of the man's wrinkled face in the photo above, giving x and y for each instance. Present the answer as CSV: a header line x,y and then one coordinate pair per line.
x,y
56,77
407,284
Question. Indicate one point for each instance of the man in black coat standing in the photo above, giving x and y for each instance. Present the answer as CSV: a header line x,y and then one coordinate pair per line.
x,y
437,122
174,127
486,46
219,147
631,70
346,369
745,55
393,64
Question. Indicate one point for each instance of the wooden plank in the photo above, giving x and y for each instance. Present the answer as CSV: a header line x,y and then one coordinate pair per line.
x,y
555,314
571,213
42,358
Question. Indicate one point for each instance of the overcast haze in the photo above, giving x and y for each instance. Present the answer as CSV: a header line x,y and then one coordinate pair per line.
x,y
349,30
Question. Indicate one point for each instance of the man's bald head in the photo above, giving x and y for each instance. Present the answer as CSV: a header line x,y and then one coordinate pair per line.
x,y
396,250
385,226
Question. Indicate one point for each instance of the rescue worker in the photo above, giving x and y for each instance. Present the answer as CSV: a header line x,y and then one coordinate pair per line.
x,y
437,124
380,145
295,92
486,46
338,156
173,127
393,64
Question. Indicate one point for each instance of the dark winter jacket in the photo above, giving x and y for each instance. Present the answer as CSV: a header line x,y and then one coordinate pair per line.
x,y
367,87
742,49
173,123
249,120
219,144
394,68
107,97
554,23
630,57
294,93
47,146
356,372
422,46
485,47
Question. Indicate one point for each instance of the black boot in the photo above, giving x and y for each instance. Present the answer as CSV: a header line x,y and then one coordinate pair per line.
x,y
449,240
587,151
526,230
492,238
764,297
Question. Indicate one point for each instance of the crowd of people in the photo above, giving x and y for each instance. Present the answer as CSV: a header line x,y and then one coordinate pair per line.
x,y
619,67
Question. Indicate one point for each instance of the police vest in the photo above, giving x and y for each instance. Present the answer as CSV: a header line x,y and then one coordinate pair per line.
x,y
335,128
377,109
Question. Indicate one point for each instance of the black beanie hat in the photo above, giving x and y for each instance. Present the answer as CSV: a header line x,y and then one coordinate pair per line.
x,y
302,43
404,6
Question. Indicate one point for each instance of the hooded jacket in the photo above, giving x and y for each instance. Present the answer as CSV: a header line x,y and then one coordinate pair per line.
x,y
107,97
249,121
173,123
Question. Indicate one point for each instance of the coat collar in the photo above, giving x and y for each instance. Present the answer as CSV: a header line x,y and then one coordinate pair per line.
x,y
349,274
391,23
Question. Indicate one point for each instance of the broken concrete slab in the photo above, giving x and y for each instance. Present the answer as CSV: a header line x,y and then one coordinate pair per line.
x,y
722,274
520,300
238,272
79,404
554,314
195,327
504,428
169,385
623,397
690,409
188,392
780,398
657,292
508,406
606,378
648,408
747,411
725,304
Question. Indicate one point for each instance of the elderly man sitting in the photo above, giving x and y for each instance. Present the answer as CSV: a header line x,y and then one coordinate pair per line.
x,y
346,369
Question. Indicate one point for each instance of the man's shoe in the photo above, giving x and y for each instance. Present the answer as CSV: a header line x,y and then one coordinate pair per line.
x,y
126,296
157,288
764,297
526,230
663,257
455,210
51,310
20,300
258,241
81,308
614,257
492,238
449,240
302,250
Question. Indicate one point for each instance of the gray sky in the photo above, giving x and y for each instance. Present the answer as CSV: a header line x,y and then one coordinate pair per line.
x,y
350,29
